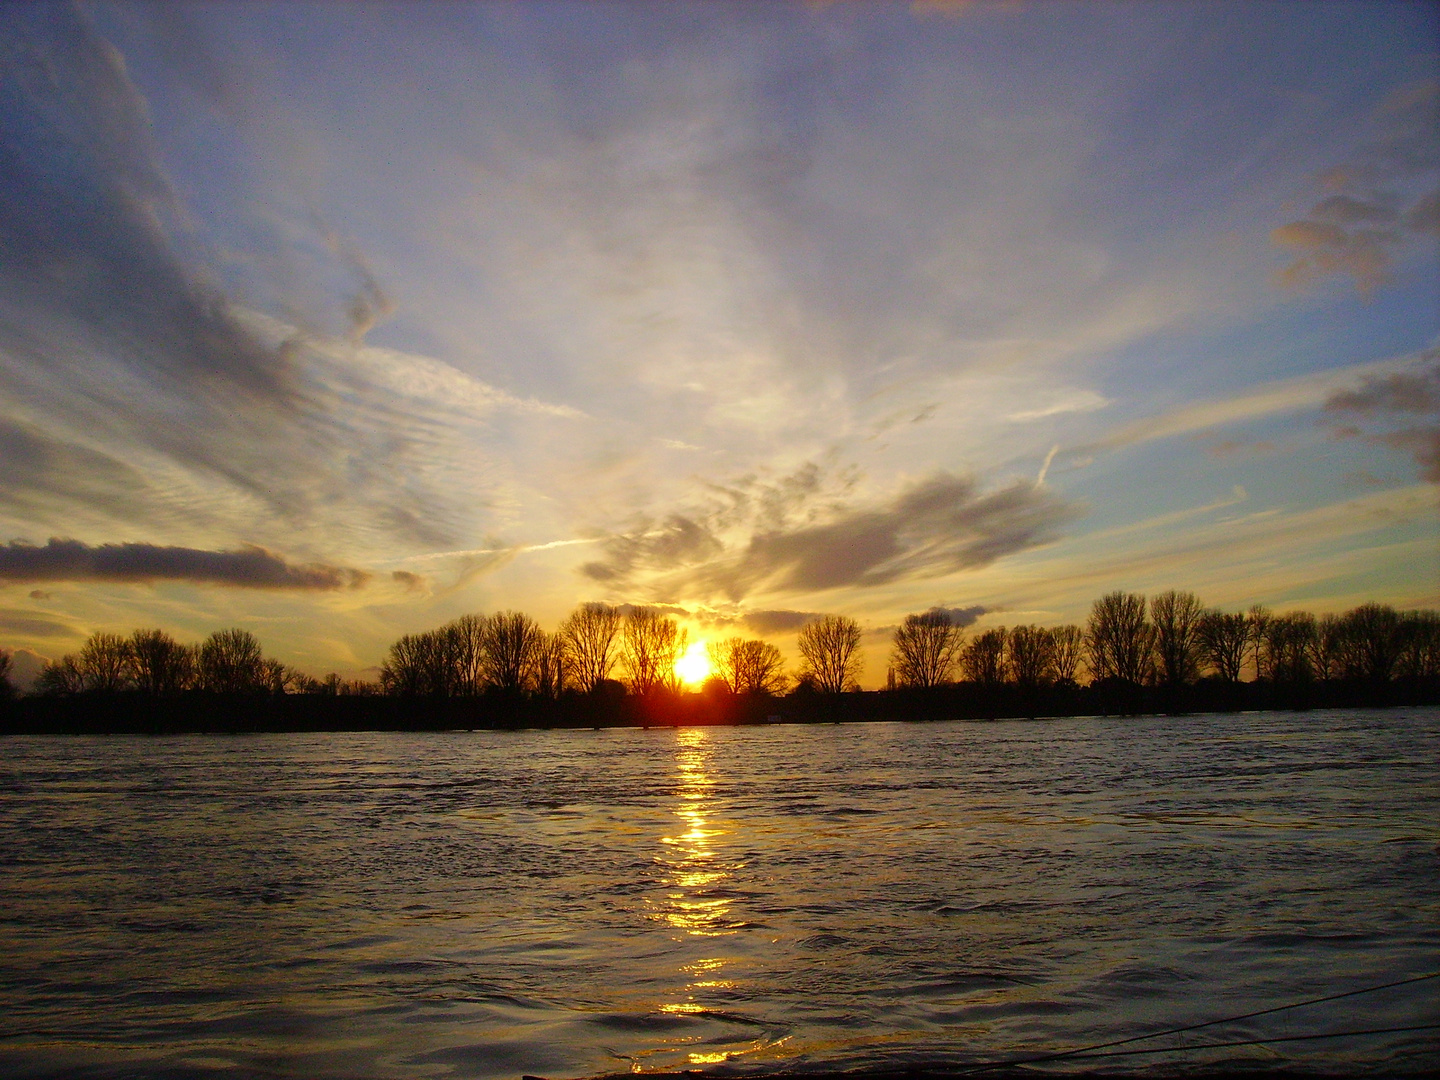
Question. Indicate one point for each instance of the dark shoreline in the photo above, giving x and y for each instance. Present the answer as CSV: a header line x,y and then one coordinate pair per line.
x,y
195,712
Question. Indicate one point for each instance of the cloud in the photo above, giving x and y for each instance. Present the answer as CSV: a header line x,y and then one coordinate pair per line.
x,y
936,527
90,217
1397,396
1285,395
25,668
34,624
1362,229
249,567
777,621
965,616
410,582
1078,401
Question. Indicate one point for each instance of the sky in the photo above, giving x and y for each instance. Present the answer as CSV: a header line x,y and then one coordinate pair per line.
x,y
334,322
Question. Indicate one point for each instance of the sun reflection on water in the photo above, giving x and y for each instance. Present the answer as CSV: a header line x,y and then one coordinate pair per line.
x,y
695,870
695,901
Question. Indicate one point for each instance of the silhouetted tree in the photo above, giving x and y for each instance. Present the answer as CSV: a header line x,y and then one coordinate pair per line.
x,y
1419,654
747,667
105,664
1068,643
925,649
231,662
1176,617
60,677
1258,618
1329,650
1372,640
1031,655
7,690
1221,639
590,634
1289,646
983,658
830,654
463,647
551,665
650,645
162,666
1118,639
511,640
422,665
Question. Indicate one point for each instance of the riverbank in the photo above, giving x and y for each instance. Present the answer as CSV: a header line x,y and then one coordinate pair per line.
x,y
135,713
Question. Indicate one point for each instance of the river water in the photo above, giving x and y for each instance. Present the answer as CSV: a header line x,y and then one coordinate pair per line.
x,y
569,903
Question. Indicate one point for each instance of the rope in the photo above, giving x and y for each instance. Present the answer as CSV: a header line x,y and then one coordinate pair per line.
x,y
1088,1050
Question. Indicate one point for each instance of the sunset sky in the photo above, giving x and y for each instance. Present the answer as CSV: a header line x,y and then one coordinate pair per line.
x,y
335,322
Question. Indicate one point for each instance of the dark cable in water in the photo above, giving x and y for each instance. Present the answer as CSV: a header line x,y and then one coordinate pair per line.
x,y
1089,1050
1259,1042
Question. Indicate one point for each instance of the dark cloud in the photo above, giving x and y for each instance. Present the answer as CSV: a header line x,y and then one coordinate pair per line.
x,y
39,594
249,567
964,616
936,527
678,540
34,624
1400,410
1362,228
411,582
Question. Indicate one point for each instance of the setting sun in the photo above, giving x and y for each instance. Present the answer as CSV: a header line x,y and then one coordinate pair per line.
x,y
693,667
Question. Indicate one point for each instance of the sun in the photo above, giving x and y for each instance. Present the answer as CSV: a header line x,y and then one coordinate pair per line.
x,y
693,666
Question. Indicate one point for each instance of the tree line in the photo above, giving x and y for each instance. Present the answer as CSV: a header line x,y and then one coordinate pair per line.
x,y
1169,640
1173,640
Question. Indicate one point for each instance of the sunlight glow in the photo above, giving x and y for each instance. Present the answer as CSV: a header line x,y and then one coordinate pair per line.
x,y
693,667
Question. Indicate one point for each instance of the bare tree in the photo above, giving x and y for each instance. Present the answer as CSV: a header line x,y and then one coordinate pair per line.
x,y
1118,638
747,667
1258,618
1329,650
551,665
983,659
105,663
1175,617
590,634
1031,656
1372,633
466,640
1289,646
926,648
650,645
277,678
1068,643
511,639
162,666
231,662
830,649
1419,656
60,677
1222,638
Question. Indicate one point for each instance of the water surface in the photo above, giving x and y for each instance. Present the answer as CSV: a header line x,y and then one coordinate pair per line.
x,y
576,902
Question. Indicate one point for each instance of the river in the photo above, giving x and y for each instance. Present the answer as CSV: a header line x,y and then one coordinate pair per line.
x,y
745,899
